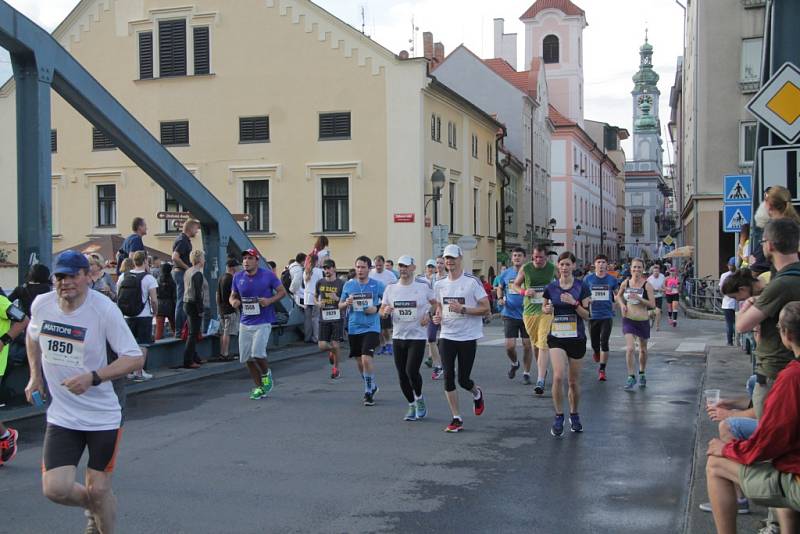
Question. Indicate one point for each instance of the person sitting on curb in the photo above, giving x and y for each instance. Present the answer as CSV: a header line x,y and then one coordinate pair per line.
x,y
767,465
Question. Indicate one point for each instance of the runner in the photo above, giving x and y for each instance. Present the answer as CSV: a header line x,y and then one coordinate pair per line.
x,y
602,288
408,302
254,292
672,289
69,336
461,303
636,297
656,279
434,329
328,294
510,298
531,281
568,299
13,322
386,277
363,295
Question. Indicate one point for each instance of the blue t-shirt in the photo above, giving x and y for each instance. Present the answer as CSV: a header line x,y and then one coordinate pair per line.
x,y
602,292
565,313
132,243
263,284
364,296
513,305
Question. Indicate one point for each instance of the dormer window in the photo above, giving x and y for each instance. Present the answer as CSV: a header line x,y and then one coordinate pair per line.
x,y
550,49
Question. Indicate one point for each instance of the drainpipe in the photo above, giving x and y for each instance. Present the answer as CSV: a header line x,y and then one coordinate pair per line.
x,y
505,181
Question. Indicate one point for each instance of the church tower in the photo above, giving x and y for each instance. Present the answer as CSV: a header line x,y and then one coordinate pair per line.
x,y
554,32
647,142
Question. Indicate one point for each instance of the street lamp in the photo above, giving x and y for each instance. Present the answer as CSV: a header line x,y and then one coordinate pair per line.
x,y
509,211
552,224
578,229
437,181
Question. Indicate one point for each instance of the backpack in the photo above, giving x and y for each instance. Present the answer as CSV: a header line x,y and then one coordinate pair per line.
x,y
286,280
129,296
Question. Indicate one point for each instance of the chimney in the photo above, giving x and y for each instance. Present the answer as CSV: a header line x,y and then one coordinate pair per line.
x,y
438,53
427,45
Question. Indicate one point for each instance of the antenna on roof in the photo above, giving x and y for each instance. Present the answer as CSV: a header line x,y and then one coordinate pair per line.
x,y
363,19
413,40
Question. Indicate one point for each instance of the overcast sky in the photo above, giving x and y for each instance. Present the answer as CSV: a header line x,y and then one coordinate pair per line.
x,y
611,41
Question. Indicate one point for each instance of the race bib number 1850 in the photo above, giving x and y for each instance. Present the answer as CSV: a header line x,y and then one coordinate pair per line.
x,y
62,344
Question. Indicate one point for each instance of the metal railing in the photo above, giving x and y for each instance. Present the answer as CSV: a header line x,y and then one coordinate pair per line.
x,y
703,295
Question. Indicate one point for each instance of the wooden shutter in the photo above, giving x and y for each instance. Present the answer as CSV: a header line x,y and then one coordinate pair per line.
x,y
145,55
334,125
100,140
202,56
172,47
53,141
175,133
253,129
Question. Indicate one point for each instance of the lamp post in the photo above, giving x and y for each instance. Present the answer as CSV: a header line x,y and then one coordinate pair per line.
x,y
509,211
437,182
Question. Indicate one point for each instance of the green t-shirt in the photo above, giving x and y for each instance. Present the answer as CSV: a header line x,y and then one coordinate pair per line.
x,y
5,326
536,279
771,355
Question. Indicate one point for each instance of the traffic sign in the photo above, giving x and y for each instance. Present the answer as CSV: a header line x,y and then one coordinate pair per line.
x,y
440,234
734,216
738,189
777,104
166,215
467,242
779,166
668,240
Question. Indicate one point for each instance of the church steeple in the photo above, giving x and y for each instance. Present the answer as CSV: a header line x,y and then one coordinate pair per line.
x,y
646,124
646,77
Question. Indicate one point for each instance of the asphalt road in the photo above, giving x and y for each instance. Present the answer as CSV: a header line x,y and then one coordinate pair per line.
x,y
203,458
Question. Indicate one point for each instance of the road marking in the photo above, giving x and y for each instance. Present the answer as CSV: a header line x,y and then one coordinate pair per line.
x,y
689,346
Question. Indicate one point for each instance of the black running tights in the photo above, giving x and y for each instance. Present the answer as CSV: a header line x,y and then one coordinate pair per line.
x,y
463,352
408,354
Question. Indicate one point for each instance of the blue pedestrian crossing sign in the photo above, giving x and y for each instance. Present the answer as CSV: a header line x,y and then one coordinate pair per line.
x,y
738,189
735,216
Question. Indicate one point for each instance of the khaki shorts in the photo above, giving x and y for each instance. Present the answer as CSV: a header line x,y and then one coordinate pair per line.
x,y
230,324
765,485
538,327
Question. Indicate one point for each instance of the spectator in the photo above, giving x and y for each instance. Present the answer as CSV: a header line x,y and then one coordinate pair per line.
x,y
133,242
273,267
728,304
229,316
489,293
37,282
138,299
127,265
777,204
743,247
766,465
181,249
320,252
311,275
390,267
167,296
296,272
195,301
100,280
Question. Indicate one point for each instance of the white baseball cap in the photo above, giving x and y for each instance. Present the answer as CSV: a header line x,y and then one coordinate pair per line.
x,y
405,260
452,251
430,263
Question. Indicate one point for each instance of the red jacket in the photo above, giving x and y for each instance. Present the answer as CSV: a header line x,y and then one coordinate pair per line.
x,y
777,437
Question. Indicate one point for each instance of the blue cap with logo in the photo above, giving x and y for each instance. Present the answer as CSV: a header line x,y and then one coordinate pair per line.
x,y
70,262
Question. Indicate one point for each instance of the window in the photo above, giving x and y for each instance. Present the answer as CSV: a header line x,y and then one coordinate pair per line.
x,y
751,60
550,49
474,146
106,205
172,48
747,143
253,129
438,129
492,221
334,125
202,57
475,205
175,133
256,204
53,141
145,55
637,227
101,140
171,205
451,135
452,199
335,205
489,153
433,127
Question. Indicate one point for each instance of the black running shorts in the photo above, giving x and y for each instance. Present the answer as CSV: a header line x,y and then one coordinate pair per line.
x,y
363,344
514,328
330,331
63,446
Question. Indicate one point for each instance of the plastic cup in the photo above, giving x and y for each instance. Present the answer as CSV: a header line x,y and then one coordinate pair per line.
x,y
712,397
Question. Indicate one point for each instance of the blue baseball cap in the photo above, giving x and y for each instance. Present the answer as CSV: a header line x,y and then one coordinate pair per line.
x,y
732,260
70,262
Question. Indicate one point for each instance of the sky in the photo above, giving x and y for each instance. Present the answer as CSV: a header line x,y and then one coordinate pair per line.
x,y
611,40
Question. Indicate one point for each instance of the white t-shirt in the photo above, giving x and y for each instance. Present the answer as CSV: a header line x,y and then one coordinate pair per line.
x,y
727,302
75,343
310,287
467,290
658,284
148,282
386,276
411,303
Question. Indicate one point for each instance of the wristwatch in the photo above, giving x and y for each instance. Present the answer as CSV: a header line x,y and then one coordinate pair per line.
x,y
96,380
463,310
6,339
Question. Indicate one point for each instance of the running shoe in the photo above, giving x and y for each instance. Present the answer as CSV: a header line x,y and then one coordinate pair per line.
x,y
596,357
8,446
675,324
539,388
429,362
330,357
389,350
478,403
575,423
742,506
770,528
91,524
411,414
558,426
513,371
642,382
368,399
630,382
381,350
526,379
335,373
422,408
455,425
258,393
375,391
438,373
601,375
144,377
266,382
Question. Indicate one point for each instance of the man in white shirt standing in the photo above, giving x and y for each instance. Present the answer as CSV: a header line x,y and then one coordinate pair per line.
x,y
656,280
68,337
728,303
383,275
296,273
138,294
311,275
461,303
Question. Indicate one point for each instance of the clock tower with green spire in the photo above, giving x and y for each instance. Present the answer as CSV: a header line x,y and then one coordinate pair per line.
x,y
647,143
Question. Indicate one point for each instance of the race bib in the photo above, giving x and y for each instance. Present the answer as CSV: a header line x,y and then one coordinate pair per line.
x,y
600,294
538,297
331,314
405,310
62,344
447,313
564,326
250,306
512,290
361,301
634,295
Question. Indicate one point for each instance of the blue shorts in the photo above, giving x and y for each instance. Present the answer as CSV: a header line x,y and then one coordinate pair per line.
x,y
741,427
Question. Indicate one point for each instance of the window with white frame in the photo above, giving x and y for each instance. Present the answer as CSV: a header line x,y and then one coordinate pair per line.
x,y
106,205
335,205
256,204
175,47
751,60
474,146
171,205
747,142
452,199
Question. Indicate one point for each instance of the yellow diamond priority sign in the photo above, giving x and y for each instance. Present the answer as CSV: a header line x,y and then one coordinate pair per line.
x,y
777,104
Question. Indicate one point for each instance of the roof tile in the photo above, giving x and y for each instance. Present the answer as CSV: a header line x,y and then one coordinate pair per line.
x,y
565,6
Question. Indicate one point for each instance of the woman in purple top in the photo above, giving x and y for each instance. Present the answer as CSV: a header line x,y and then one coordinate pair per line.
x,y
637,298
568,300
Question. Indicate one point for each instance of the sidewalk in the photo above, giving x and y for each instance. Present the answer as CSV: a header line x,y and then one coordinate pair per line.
x,y
727,369
164,378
